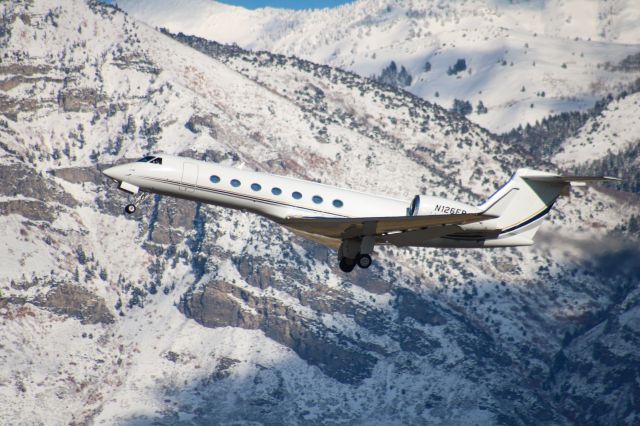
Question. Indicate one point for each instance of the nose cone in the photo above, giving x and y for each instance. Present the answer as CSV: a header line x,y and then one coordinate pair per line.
x,y
116,172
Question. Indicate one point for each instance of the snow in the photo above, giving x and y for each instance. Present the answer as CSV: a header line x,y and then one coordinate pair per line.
x,y
612,131
534,39
21,251
122,372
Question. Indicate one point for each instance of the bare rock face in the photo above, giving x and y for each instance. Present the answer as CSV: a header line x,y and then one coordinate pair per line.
x,y
80,174
214,307
410,305
34,210
220,304
78,100
198,122
19,179
76,302
23,69
169,219
421,337
44,197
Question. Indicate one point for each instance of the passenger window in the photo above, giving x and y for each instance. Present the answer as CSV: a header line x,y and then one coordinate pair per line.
x,y
214,179
276,191
337,203
256,187
156,161
317,199
235,183
296,195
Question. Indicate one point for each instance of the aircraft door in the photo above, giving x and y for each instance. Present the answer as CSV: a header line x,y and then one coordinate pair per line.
x,y
189,176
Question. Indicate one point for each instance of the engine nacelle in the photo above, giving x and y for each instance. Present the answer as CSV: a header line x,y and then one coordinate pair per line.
x,y
423,205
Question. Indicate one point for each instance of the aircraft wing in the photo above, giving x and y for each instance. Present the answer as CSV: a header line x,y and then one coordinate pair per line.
x,y
343,228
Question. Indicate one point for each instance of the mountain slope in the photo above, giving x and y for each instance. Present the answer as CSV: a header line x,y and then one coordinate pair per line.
x,y
187,314
612,131
523,60
601,140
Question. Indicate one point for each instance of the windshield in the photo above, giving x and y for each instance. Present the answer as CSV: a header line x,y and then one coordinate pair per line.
x,y
145,159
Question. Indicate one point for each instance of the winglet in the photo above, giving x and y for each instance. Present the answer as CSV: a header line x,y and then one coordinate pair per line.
x,y
500,205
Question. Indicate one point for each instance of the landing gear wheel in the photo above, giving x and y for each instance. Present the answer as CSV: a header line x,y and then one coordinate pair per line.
x,y
130,209
364,261
347,265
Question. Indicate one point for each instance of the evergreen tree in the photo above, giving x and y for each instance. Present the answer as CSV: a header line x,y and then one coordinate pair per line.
x,y
459,66
392,77
462,107
404,78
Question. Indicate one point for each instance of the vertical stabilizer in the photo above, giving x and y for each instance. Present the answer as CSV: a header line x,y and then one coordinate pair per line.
x,y
527,198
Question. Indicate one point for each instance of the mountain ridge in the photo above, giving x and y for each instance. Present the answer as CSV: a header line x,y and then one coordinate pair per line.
x,y
223,315
523,60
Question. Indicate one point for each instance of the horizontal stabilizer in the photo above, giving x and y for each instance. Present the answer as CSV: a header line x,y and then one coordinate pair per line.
x,y
534,175
574,178
373,226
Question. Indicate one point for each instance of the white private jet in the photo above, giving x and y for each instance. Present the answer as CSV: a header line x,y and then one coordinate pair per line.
x,y
350,221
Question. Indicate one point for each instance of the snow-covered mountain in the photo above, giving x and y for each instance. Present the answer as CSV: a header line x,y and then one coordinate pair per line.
x,y
522,60
191,314
614,130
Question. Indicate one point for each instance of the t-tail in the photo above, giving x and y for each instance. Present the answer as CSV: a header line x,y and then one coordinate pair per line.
x,y
524,201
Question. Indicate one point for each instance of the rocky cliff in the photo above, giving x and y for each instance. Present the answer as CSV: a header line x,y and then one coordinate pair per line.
x,y
192,314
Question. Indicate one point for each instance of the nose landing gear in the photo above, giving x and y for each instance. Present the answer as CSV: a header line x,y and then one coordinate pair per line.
x,y
139,197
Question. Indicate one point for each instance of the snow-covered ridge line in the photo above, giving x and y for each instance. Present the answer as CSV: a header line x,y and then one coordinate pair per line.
x,y
221,315
521,62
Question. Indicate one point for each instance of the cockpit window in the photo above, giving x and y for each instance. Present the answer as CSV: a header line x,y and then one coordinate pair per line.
x,y
145,159
156,160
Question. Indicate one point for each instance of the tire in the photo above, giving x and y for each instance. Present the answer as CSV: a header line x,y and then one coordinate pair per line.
x,y
130,209
347,265
364,261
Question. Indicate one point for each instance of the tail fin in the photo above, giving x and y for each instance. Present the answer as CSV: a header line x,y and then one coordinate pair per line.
x,y
497,204
527,198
